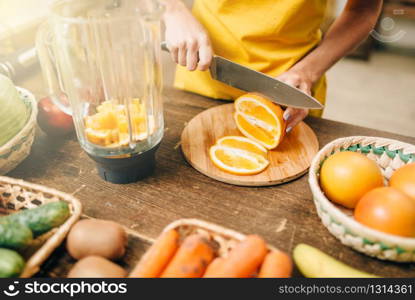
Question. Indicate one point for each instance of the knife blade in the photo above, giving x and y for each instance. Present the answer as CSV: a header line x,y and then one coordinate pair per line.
x,y
249,80
243,78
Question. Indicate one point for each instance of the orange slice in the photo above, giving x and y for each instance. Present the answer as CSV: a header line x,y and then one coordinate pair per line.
x,y
99,137
242,143
260,120
238,155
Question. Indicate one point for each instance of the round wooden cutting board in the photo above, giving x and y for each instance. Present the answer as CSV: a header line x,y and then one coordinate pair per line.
x,y
291,159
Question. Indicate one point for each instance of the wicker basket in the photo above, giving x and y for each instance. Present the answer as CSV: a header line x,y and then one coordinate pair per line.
x,y
18,148
225,238
389,155
16,195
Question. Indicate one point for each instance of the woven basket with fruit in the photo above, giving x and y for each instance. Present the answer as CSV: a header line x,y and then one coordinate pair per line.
x,y
34,220
364,192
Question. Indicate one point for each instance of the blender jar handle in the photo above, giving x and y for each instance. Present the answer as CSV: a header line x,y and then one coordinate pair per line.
x,y
50,68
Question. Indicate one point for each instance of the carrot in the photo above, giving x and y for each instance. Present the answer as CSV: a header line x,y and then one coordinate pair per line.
x,y
277,264
192,258
243,260
153,262
213,267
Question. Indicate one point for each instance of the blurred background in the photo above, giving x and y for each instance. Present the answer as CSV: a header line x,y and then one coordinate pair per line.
x,y
373,87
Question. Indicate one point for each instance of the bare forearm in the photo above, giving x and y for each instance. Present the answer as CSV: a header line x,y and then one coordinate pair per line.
x,y
350,29
173,6
188,41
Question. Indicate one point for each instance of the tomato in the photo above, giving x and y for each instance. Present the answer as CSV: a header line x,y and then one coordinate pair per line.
x,y
404,180
52,120
388,210
346,176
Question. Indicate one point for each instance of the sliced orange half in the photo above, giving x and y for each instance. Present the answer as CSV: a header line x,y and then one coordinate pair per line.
x,y
242,143
260,120
239,155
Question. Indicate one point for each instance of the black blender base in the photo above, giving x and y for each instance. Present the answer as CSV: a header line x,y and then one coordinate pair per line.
x,y
126,170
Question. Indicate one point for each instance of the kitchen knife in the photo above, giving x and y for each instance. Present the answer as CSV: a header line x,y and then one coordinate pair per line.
x,y
249,80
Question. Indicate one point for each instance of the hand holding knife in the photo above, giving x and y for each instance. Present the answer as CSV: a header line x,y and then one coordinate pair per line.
x,y
249,80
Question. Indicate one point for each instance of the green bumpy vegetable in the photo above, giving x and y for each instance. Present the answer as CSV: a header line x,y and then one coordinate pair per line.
x,y
43,218
11,263
13,111
14,235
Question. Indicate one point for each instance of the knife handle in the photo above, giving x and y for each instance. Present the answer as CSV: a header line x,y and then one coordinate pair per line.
x,y
212,67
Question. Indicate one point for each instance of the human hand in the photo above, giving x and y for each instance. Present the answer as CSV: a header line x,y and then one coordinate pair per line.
x,y
187,40
300,80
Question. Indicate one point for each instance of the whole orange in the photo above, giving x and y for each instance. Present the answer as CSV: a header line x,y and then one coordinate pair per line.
x,y
404,180
388,210
346,176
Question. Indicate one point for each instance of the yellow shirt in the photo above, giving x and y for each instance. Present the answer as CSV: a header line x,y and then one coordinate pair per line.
x,y
269,36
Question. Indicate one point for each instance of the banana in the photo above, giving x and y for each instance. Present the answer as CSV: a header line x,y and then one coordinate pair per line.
x,y
314,263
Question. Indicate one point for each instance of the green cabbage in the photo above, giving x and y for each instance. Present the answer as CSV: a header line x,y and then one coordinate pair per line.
x,y
13,111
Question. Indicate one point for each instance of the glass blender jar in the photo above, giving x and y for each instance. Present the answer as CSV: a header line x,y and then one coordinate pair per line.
x,y
101,63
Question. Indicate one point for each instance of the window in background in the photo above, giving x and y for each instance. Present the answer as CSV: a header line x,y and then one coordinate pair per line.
x,y
18,19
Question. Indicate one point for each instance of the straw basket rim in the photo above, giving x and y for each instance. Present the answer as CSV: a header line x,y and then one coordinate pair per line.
x,y
213,229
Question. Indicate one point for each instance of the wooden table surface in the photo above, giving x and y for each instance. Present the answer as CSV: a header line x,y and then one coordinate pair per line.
x,y
284,215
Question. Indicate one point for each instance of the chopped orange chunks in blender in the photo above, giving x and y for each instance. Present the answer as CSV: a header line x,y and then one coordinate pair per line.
x,y
109,125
